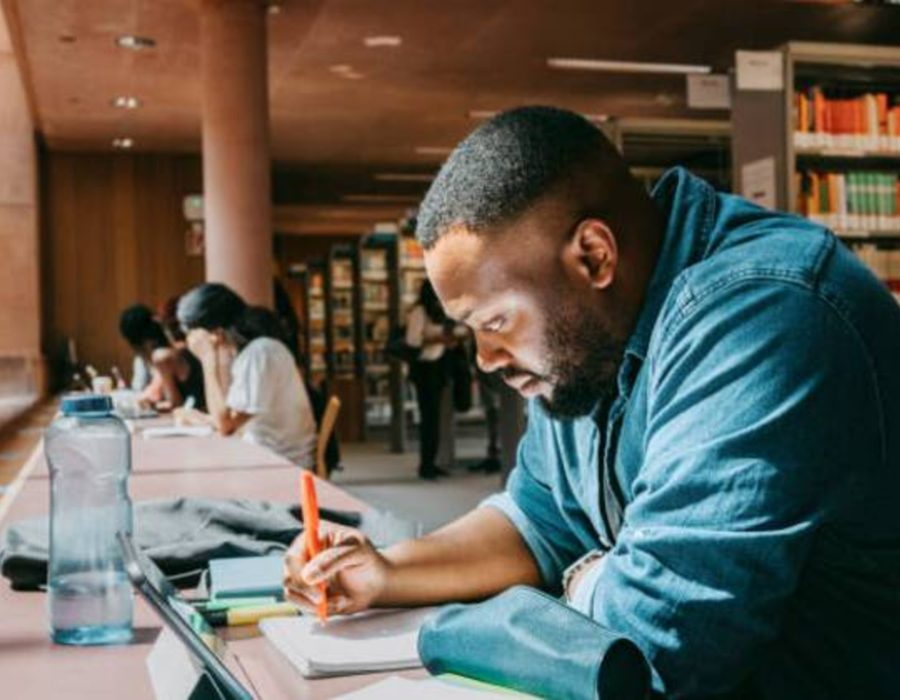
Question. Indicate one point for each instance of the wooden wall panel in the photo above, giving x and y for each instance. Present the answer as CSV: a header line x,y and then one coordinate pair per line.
x,y
113,235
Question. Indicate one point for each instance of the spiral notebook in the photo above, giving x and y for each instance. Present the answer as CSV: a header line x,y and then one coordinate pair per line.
x,y
379,640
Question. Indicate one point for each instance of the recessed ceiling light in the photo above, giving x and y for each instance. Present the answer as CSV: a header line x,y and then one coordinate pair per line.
x,y
126,102
382,41
490,114
625,66
403,177
345,70
380,198
434,150
134,42
124,142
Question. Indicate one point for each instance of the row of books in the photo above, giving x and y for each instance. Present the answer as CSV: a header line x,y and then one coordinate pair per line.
x,y
885,264
869,122
851,201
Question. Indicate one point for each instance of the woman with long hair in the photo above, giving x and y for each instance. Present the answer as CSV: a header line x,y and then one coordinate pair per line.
x,y
253,384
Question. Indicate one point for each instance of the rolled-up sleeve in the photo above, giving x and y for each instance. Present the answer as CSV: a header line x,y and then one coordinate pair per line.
x,y
530,505
752,434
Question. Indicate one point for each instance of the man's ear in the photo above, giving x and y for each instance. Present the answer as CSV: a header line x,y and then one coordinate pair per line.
x,y
592,254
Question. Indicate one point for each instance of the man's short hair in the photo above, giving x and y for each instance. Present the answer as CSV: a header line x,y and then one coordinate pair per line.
x,y
507,164
138,325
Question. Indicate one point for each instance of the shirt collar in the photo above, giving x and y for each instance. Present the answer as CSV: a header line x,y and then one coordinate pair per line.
x,y
688,207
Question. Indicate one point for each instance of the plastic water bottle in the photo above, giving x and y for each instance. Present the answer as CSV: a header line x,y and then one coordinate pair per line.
x,y
89,453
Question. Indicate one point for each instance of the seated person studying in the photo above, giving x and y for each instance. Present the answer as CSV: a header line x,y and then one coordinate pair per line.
x,y
253,385
712,456
162,370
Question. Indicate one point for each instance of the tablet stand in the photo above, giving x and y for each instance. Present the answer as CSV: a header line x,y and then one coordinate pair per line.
x,y
176,675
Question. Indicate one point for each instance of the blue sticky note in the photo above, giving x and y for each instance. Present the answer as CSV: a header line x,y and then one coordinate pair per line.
x,y
246,576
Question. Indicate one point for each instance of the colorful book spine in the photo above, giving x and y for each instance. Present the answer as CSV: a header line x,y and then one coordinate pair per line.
x,y
866,122
852,203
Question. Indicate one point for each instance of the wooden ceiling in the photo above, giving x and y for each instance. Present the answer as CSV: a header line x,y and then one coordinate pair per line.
x,y
331,135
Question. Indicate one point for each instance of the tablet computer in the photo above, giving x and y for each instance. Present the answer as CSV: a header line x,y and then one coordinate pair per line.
x,y
204,644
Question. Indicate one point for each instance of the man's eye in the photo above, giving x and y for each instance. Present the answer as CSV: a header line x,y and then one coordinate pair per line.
x,y
494,325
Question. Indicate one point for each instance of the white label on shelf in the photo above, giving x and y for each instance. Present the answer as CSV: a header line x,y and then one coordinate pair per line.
x,y
758,182
759,70
708,92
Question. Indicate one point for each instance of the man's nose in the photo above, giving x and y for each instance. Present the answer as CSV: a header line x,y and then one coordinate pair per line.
x,y
491,356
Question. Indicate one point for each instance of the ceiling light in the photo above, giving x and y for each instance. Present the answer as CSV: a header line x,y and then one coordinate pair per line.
x,y
381,198
345,70
124,142
135,43
434,150
625,66
374,42
273,8
489,114
404,177
126,102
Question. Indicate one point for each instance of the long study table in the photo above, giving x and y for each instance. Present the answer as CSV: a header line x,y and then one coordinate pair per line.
x,y
32,667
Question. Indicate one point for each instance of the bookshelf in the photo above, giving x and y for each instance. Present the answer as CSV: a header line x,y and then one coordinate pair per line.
x,y
315,345
651,146
833,134
380,286
343,307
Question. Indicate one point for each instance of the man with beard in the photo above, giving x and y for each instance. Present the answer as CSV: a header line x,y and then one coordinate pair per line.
x,y
713,444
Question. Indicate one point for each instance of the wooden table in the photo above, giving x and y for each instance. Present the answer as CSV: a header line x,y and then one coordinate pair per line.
x,y
31,666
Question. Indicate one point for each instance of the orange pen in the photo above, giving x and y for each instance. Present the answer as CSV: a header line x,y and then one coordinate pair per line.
x,y
310,507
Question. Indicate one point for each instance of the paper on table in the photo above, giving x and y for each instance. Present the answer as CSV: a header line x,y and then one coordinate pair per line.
x,y
380,640
397,688
167,431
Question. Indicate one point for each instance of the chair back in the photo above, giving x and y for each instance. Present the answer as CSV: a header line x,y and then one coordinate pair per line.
x,y
326,427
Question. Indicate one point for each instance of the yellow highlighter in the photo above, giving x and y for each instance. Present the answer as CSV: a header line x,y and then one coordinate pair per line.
x,y
249,614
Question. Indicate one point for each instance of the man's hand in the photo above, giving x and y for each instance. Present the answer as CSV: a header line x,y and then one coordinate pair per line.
x,y
353,570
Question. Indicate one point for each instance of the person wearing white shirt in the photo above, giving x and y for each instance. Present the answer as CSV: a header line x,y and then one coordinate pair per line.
x,y
427,330
261,395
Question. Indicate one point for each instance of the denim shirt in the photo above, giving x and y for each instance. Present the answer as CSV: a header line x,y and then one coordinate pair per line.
x,y
755,447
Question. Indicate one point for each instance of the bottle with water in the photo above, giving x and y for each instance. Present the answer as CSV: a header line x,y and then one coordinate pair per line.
x,y
89,453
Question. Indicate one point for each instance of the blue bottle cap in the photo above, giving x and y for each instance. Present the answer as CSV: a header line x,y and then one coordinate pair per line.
x,y
87,405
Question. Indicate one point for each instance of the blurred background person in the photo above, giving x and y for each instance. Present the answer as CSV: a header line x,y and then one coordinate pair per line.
x,y
161,371
261,394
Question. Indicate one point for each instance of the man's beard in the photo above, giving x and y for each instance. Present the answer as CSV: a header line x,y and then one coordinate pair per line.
x,y
584,361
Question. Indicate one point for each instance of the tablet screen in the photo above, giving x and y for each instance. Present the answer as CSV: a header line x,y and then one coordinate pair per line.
x,y
193,630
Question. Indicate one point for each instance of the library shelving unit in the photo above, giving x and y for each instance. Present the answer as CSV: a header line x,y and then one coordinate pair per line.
x,y
411,277
380,285
344,356
651,146
314,277
833,133
296,283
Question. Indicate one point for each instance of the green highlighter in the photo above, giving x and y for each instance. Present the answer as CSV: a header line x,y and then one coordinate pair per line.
x,y
229,603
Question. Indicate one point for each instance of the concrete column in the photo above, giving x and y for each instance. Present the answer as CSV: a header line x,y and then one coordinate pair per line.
x,y
21,363
236,162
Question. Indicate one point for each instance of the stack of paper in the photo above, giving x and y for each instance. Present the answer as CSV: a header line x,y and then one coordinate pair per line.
x,y
177,431
380,640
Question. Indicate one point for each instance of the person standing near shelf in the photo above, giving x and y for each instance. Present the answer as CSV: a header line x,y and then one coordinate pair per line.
x,y
260,391
712,459
427,330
